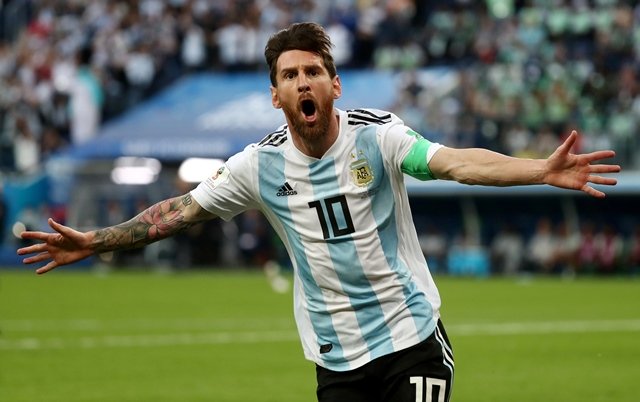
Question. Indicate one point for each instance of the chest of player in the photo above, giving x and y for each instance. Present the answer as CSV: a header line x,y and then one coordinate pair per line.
x,y
331,199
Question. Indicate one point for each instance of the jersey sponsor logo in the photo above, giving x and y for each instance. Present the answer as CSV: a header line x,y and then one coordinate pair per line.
x,y
361,172
286,190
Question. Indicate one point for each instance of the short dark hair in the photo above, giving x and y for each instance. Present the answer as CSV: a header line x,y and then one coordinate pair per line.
x,y
306,36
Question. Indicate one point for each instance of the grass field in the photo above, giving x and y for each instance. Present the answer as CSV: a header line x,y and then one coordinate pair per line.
x,y
72,336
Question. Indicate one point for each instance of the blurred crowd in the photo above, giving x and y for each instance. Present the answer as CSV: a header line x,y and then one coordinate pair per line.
x,y
552,248
522,74
527,71
530,75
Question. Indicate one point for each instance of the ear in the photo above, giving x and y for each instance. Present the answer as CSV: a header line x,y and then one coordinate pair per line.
x,y
337,87
275,100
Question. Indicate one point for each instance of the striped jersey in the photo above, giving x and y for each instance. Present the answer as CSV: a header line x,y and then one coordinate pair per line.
x,y
362,288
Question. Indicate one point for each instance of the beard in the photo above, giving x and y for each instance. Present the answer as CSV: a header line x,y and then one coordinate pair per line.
x,y
310,131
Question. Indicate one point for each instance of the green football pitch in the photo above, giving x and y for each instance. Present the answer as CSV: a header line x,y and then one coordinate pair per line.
x,y
227,336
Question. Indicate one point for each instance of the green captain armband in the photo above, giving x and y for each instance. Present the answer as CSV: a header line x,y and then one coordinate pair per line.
x,y
415,163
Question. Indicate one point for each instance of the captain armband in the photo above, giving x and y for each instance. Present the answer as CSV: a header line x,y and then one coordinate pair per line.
x,y
416,164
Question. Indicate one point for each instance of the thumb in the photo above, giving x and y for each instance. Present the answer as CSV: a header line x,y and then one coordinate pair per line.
x,y
56,226
566,146
65,231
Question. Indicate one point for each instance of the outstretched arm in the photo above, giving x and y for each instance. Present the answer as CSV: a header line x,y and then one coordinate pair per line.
x,y
66,245
561,169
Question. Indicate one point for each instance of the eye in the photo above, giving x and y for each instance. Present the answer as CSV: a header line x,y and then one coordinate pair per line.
x,y
289,75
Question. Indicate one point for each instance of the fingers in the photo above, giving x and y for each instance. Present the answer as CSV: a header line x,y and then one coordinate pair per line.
x,y
604,168
37,258
593,192
607,181
35,235
34,248
598,155
40,257
52,246
46,268
40,248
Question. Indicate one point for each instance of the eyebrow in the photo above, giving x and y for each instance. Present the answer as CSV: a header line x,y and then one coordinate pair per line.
x,y
305,67
287,70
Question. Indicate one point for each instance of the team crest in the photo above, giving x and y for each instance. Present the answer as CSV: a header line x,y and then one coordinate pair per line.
x,y
361,172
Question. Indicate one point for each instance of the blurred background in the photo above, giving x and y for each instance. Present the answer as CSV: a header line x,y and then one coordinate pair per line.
x,y
109,106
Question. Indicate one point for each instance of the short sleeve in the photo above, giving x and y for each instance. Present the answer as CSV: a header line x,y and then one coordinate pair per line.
x,y
231,190
406,150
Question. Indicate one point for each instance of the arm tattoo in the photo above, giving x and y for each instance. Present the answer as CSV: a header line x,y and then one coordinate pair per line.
x,y
157,222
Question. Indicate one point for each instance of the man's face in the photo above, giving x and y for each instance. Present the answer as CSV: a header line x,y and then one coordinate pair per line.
x,y
305,92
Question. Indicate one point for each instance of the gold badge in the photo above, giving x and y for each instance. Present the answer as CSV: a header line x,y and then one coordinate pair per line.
x,y
361,172
220,177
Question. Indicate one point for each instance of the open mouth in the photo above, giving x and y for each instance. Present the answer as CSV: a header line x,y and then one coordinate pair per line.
x,y
308,107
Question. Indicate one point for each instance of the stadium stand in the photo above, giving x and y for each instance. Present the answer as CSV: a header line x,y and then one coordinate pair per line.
x,y
518,75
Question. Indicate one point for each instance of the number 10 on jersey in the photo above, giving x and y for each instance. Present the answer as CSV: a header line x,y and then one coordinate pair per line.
x,y
427,395
337,209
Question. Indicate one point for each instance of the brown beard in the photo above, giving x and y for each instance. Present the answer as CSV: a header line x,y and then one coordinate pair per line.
x,y
314,131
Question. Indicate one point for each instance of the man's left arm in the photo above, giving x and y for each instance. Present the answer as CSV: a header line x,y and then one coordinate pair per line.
x,y
562,169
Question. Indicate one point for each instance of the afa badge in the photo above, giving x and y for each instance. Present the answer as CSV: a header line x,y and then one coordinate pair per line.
x,y
361,172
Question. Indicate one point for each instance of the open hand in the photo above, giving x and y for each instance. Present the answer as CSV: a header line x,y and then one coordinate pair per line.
x,y
63,247
567,170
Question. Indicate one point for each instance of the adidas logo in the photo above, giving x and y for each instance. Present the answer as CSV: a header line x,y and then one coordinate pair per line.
x,y
286,190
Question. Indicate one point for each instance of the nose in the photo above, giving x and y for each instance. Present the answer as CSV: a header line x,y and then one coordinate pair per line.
x,y
303,84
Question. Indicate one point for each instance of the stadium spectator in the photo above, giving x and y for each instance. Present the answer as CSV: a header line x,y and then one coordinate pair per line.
x,y
610,250
568,242
433,243
254,239
3,213
193,49
331,183
26,147
467,256
587,254
56,116
633,250
541,248
507,251
51,142
86,99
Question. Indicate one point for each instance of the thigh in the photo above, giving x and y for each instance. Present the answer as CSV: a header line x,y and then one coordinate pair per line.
x,y
350,386
423,373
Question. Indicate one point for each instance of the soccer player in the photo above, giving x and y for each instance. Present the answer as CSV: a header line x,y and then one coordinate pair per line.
x,y
330,182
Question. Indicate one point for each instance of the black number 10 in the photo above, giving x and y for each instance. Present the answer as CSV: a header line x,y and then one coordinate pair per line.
x,y
329,204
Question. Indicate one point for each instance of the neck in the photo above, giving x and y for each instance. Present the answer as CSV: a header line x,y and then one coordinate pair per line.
x,y
318,146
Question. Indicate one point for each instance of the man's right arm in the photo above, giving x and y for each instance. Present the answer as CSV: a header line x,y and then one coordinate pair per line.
x,y
159,221
66,245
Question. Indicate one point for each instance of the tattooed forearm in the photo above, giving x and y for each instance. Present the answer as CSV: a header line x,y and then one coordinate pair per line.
x,y
157,222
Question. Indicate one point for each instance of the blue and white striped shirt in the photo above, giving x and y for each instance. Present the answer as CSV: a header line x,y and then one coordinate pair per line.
x,y
362,287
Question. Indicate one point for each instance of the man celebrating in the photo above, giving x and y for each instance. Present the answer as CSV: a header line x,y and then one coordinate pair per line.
x,y
330,182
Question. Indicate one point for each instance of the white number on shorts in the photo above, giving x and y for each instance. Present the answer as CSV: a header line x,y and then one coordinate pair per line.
x,y
431,382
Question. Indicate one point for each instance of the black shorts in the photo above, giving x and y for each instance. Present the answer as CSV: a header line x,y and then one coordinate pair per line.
x,y
421,373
